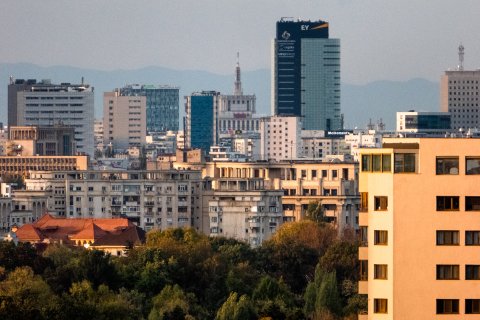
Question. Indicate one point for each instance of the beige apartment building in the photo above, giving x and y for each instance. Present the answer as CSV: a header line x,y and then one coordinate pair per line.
x,y
420,227
124,120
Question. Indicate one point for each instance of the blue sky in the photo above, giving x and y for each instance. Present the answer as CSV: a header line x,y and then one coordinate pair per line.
x,y
395,40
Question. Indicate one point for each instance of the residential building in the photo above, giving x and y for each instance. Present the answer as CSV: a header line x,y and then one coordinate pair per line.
x,y
420,228
280,138
98,134
244,210
459,95
423,122
114,236
317,144
201,109
162,105
306,74
363,139
23,166
45,104
124,119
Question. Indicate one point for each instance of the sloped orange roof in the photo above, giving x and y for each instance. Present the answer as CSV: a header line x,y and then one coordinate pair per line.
x,y
66,230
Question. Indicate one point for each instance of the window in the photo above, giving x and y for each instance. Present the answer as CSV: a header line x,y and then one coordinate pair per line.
x,y
363,236
376,162
448,203
380,237
472,165
472,238
334,174
472,306
447,238
472,203
380,271
324,173
446,306
472,272
363,270
404,162
381,203
380,306
314,174
363,201
447,272
447,165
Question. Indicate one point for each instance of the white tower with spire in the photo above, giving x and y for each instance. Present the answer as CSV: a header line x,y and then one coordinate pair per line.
x,y
461,53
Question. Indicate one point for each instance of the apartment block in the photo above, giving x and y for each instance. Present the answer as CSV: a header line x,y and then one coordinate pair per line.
x,y
280,138
420,228
124,120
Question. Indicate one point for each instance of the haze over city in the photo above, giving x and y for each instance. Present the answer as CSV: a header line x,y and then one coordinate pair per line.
x,y
381,40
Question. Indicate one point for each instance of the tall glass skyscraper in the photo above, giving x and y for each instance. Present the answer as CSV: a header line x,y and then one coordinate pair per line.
x,y
162,105
306,74
201,109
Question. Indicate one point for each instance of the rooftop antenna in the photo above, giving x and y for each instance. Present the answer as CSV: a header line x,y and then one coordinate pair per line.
x,y
238,80
461,53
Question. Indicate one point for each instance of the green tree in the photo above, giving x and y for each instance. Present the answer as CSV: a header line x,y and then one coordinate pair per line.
x,y
235,308
322,295
171,303
314,212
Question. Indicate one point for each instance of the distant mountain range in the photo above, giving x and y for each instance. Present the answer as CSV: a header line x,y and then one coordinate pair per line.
x,y
376,100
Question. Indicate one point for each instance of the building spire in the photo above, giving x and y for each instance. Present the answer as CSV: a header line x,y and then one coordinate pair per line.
x,y
461,52
238,82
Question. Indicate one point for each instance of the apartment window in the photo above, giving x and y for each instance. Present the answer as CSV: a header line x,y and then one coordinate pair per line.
x,y
376,162
472,306
363,270
448,272
363,201
472,203
472,238
447,165
363,236
314,174
472,272
380,271
447,238
404,162
380,237
447,306
448,203
334,174
324,173
472,165
381,203
380,306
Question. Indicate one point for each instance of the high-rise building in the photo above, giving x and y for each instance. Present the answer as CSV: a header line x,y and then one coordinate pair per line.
x,y
280,138
306,74
45,104
14,87
459,95
124,120
162,105
420,229
201,109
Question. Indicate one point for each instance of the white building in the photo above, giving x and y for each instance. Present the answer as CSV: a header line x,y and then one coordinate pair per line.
x,y
316,145
124,119
98,134
368,139
280,138
45,104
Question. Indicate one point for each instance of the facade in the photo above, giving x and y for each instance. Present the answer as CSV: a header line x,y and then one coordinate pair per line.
x,y
420,228
236,113
150,199
45,104
201,109
244,210
25,165
124,119
360,139
57,140
334,185
306,74
162,105
280,138
459,95
14,87
98,134
423,122
316,144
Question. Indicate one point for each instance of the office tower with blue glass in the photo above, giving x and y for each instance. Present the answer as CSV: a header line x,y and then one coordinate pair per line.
x,y
162,105
306,74
201,109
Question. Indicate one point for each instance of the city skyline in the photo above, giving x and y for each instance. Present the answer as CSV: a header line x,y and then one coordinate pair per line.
x,y
394,40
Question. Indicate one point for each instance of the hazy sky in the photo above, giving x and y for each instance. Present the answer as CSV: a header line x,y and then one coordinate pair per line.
x,y
380,39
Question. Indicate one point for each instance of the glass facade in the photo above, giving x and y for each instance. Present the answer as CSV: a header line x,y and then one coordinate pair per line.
x,y
201,121
426,122
162,105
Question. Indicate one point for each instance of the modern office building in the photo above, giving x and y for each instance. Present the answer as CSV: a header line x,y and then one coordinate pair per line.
x,y
306,74
124,119
45,104
420,228
56,140
236,113
423,122
280,138
459,95
162,105
25,165
201,109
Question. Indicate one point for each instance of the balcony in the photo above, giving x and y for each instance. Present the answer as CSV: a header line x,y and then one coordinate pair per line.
x,y
329,213
363,218
363,253
116,203
362,287
149,203
363,315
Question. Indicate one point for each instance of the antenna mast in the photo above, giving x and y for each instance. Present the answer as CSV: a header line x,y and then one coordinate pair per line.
x,y
461,53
